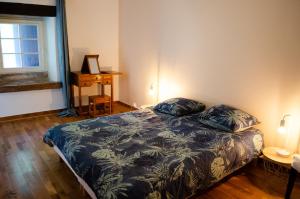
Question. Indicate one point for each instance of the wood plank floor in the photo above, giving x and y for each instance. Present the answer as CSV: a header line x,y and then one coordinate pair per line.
x,y
31,169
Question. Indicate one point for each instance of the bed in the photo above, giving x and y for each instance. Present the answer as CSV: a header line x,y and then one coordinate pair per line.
x,y
147,154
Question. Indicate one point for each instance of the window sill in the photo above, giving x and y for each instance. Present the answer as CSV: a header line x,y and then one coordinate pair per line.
x,y
26,82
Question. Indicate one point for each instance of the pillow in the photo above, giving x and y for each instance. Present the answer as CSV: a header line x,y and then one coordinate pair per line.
x,y
179,106
228,118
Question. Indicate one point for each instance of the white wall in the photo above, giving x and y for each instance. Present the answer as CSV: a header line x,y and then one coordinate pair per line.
x,y
93,28
241,53
30,102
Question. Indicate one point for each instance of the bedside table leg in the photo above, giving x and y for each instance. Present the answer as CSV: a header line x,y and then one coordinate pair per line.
x,y
80,100
292,179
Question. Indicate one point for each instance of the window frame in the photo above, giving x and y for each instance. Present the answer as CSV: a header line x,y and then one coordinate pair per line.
x,y
41,45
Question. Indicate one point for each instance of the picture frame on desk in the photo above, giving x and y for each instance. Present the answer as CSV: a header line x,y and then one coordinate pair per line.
x,y
90,64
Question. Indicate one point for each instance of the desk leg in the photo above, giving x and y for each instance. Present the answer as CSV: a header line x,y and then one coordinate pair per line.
x,y
102,90
79,99
111,94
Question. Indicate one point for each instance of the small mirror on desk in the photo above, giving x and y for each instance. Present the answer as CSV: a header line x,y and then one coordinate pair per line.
x,y
90,64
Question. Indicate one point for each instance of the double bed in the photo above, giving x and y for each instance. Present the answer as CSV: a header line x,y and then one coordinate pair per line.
x,y
148,154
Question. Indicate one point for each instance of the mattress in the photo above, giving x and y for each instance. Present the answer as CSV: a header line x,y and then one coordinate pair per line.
x,y
146,154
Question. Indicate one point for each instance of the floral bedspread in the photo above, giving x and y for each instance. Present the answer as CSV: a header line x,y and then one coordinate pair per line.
x,y
145,154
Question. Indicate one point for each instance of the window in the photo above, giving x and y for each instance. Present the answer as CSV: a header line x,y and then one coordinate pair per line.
x,y
20,45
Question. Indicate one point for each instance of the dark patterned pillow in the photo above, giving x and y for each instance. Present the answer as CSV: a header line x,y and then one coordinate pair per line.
x,y
179,106
228,118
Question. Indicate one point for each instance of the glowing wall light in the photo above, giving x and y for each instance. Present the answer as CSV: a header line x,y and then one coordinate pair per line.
x,y
169,88
151,91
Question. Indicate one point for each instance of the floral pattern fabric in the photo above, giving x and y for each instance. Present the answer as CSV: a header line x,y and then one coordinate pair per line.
x,y
227,118
147,154
179,106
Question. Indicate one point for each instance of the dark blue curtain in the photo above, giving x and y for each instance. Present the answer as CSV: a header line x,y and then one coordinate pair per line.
x,y
63,56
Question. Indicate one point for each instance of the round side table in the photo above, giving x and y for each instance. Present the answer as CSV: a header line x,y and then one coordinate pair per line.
x,y
275,163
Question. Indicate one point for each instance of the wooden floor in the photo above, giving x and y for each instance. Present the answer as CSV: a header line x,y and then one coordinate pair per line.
x,y
31,169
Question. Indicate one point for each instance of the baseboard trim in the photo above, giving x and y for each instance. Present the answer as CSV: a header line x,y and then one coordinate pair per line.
x,y
45,113
29,115
127,105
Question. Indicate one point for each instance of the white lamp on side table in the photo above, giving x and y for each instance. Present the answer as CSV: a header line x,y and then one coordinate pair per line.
x,y
282,130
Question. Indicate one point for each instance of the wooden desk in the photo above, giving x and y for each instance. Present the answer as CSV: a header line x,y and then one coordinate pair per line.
x,y
87,80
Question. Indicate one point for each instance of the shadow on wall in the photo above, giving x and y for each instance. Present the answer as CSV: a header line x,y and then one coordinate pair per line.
x,y
76,58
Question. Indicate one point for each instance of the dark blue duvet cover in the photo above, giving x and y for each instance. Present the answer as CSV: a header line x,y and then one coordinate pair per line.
x,y
145,154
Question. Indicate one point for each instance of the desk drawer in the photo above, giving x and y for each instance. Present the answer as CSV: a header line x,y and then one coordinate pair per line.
x,y
86,84
106,80
91,78
88,80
